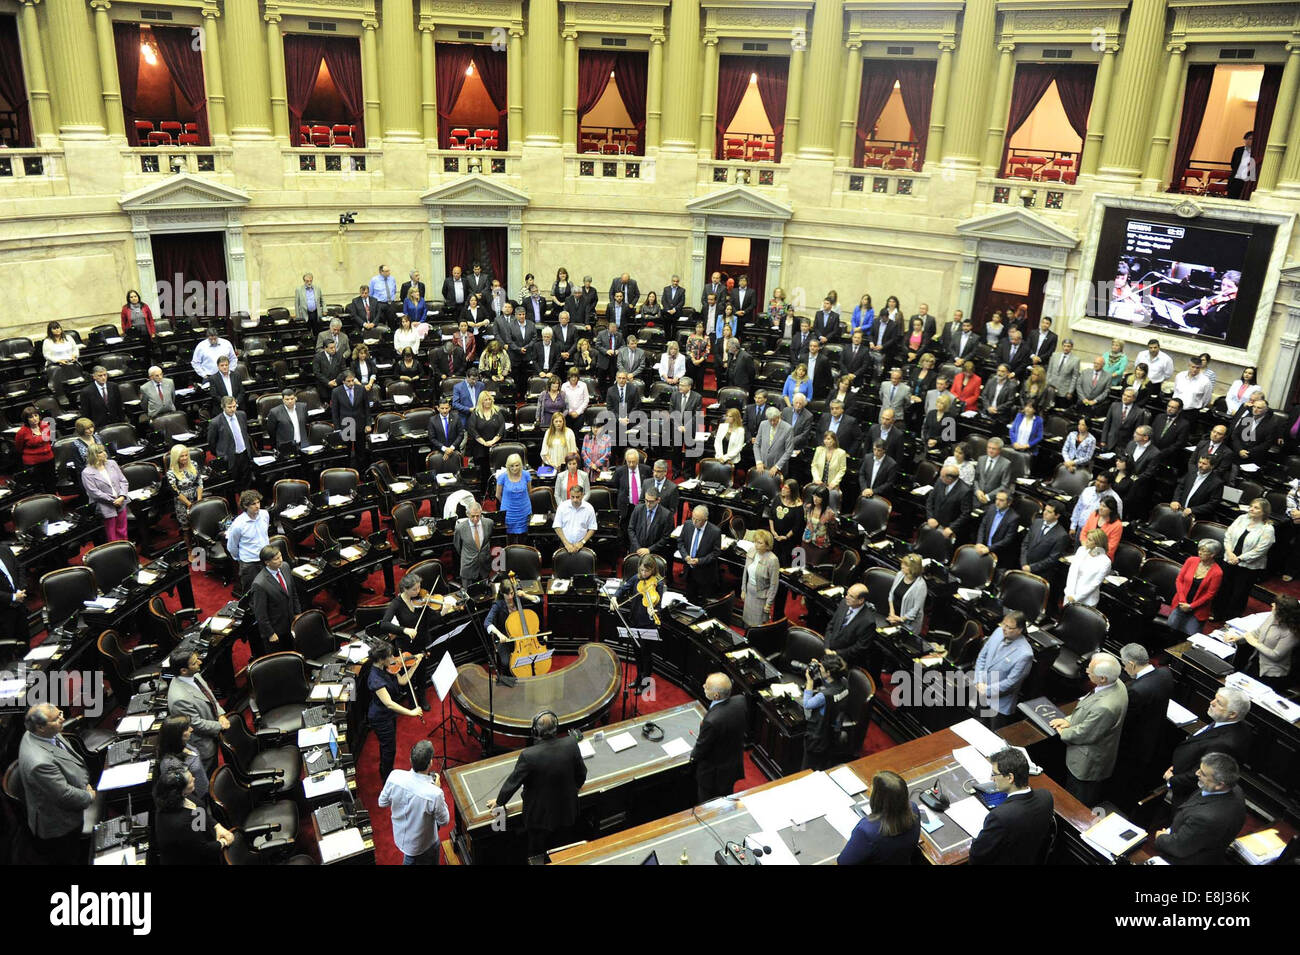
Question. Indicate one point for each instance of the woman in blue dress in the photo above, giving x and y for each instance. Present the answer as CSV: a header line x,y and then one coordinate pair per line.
x,y
513,485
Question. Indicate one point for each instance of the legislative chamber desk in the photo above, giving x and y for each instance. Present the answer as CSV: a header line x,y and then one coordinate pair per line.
x,y
697,832
622,788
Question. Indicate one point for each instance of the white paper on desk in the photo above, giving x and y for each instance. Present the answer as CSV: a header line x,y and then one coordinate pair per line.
x,y
780,853
1178,714
1221,650
218,624
1108,835
339,844
331,782
12,689
327,691
445,479
1252,621
690,485
923,489
262,460
351,553
295,512
969,594
968,414
792,690
354,652
123,856
131,725
585,749
1249,468
970,759
1116,579
140,493
44,652
378,438
671,598
127,774
399,487
337,500
620,742
146,577
746,546
832,592
847,780
844,820
311,448
980,736
677,747
184,436
968,813
317,735
797,802
102,603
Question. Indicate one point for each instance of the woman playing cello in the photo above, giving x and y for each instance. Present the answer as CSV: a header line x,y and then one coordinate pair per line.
x,y
642,595
506,604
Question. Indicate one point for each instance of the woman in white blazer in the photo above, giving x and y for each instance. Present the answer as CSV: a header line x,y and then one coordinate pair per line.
x,y
1245,552
828,466
907,595
729,439
572,473
1088,568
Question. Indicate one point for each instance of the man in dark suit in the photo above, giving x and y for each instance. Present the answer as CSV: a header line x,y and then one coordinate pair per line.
x,y
455,291
845,427
627,285
888,432
1149,688
1199,491
1042,343
587,297
275,603
826,324
852,627
364,311
1217,449
480,281
1000,395
1142,453
517,334
666,489
545,354
800,420
718,289
566,338
998,530
650,523
1017,831
100,401
620,314
446,432
1044,544
948,505
1254,432
224,383
576,307
854,357
448,362
623,398
327,368
686,418
630,479
964,342
1014,353
755,414
1205,824
551,772
928,324
351,412
606,348
673,301
1227,732
743,300
819,369
1171,430
414,280
883,341
286,423
1121,421
799,340
740,366
1244,166
878,473
719,753
698,548
13,610
229,440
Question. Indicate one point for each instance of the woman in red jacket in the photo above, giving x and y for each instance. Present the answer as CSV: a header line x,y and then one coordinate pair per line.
x,y
966,385
36,444
1198,582
136,314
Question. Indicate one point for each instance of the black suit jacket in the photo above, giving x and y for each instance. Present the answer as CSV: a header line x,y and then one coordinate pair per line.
x,y
1231,738
448,365
274,608
851,642
1015,832
406,289
518,340
279,426
566,339
740,370
1049,345
186,837
220,440
673,300
551,773
600,345
548,366
1041,553
451,436
826,325
821,376
1266,434
1116,435
1203,828
631,293
754,416
719,753
849,434
743,311
893,443
799,346
1006,533
576,306
1021,360
449,292
1205,499
1220,459
885,477
326,368
644,532
851,364
1234,165
706,571
668,499
1144,466
1176,437
622,486
951,508
481,284
357,311
97,409
1144,720
633,393
720,290
889,333
357,410
13,615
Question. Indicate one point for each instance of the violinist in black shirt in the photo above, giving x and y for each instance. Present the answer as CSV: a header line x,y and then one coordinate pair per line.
x,y
642,595
404,622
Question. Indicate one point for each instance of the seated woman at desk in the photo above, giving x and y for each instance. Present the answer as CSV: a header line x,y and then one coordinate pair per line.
x,y
505,604
890,832
184,833
1274,643
907,595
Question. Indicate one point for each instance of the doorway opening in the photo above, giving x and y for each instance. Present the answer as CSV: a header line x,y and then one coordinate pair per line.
x,y
735,256
1006,288
190,275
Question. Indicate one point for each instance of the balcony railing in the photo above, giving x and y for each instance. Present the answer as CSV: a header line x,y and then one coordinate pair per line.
x,y
893,154
720,172
310,160
609,140
1041,165
30,164
462,162
1205,178
608,168
851,183
170,160
749,147
1048,196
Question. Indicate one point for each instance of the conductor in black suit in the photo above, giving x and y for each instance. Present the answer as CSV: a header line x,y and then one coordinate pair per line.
x,y
13,610
1015,832
698,549
100,401
719,753
275,603
852,627
551,772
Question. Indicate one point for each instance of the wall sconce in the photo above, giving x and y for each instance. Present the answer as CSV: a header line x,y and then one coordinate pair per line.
x,y
177,164
1027,198
742,177
475,166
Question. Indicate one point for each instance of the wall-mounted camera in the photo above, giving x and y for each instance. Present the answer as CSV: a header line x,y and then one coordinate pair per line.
x,y
347,218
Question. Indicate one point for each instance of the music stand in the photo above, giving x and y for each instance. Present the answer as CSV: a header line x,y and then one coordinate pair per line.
x,y
444,678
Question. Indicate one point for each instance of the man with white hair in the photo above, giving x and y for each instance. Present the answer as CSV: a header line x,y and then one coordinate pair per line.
x,y
335,334
54,785
472,540
1091,733
545,353
698,548
1227,732
798,417
773,444
158,394
1149,688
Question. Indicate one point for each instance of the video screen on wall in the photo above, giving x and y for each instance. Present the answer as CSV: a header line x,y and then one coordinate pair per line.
x,y
1201,278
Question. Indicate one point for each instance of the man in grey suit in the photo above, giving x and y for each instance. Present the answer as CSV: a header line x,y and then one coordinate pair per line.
x,y
992,472
1091,733
158,394
631,358
798,417
774,443
1063,371
1092,386
55,787
335,334
894,393
188,694
308,300
472,540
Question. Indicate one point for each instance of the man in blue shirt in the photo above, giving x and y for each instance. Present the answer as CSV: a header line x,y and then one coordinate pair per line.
x,y
418,807
383,289
1001,668
247,535
465,395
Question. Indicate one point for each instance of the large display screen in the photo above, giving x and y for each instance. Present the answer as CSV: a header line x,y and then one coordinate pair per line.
x,y
1201,278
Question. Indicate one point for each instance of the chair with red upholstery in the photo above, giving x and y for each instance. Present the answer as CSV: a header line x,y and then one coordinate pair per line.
x,y
341,129
187,139
609,149
171,128
1069,176
896,162
1021,172
159,138
304,135
143,128
1050,174
191,127
474,142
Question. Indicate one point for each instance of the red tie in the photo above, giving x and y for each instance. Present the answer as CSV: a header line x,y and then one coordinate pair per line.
x,y
280,581
160,397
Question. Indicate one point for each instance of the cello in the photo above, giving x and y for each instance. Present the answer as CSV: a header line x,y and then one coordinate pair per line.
x,y
522,627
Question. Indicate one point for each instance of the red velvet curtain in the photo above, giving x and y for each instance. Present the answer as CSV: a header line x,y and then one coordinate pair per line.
x,y
1031,82
450,64
1264,108
773,73
878,78
13,86
196,257
983,286
916,85
491,67
126,41
343,60
1075,85
1037,284
185,64
461,247
302,59
631,73
1200,76
455,249
594,69
757,271
733,82
495,239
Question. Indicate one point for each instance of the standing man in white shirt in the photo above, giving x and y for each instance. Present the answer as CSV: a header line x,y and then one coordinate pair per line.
x,y
1244,168
575,521
417,806
1159,365
1193,387
208,351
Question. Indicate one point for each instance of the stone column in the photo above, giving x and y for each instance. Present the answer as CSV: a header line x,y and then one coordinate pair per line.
x,y
569,94
654,97
817,119
706,141
428,82
939,108
275,72
794,94
995,142
1092,143
1270,168
1166,118
849,103
1128,121
213,76
682,94
38,84
542,80
370,81
250,93
963,140
515,85
72,43
108,81
397,73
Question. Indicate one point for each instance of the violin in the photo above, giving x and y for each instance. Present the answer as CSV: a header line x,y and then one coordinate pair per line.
x,y
649,591
522,626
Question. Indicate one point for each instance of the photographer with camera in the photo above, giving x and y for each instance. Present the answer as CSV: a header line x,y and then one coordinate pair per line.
x,y
825,691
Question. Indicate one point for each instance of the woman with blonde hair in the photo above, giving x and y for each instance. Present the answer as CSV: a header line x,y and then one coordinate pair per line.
x,y
513,485
558,442
1088,568
83,430
762,578
363,366
729,441
107,488
907,595
485,429
186,482
829,464
797,381
495,363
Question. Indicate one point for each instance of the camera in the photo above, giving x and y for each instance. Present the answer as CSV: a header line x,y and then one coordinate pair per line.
x,y
347,218
816,669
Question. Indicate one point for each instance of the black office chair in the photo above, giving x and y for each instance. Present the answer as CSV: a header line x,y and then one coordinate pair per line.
x,y
732,397
542,499
270,828
856,715
764,482
600,499
566,566
340,481
206,518
722,609
1129,559
498,456
926,474
842,576
525,561
1028,509
879,581
312,638
166,627
279,690
713,471
964,648
117,435
1209,530
32,510
768,638
1082,631
1070,482
112,563
1026,592
1170,524
264,405
289,492
171,424
279,766
1162,574
972,568
126,669
801,646
65,591
872,515
430,574
526,415
931,543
